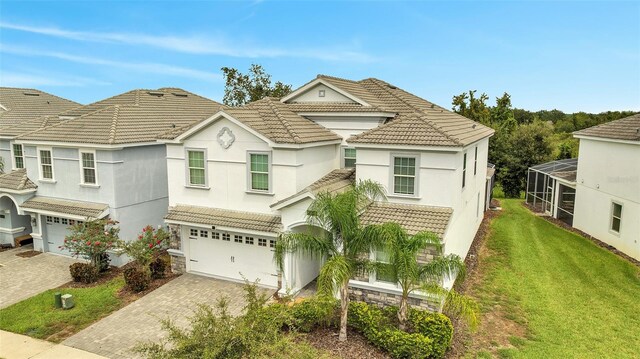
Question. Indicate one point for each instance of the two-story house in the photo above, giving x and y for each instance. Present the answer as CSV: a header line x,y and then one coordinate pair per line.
x,y
103,160
246,174
21,110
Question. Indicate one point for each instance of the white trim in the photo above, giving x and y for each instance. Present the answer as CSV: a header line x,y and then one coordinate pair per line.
x,y
22,191
65,215
392,175
604,139
248,187
187,168
82,168
85,145
12,230
223,228
318,81
293,200
405,147
38,154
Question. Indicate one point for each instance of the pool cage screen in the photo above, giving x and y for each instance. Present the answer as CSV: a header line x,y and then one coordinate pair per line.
x,y
551,188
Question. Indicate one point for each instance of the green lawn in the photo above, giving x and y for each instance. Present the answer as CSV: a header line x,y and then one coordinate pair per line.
x,y
37,316
575,299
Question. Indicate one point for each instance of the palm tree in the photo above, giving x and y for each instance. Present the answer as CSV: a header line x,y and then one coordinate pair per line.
x,y
402,250
345,244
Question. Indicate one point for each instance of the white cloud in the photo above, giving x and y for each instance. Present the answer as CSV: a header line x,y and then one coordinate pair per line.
x,y
200,45
20,79
147,67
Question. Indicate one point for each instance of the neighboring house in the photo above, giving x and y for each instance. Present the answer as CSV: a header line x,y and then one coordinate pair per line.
x,y
21,110
240,178
102,160
599,192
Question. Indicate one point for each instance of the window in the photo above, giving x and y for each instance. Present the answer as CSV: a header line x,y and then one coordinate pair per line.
x,y
464,169
215,235
404,175
475,162
88,167
49,219
385,274
18,156
237,238
272,243
248,240
259,171
226,237
349,156
72,222
193,232
616,217
56,219
262,242
79,222
204,234
65,221
46,165
197,170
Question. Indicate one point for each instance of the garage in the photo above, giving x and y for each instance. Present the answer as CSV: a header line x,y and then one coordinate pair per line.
x,y
56,229
232,255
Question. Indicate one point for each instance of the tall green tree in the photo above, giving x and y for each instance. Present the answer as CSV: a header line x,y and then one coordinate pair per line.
x,y
240,88
413,275
345,244
470,106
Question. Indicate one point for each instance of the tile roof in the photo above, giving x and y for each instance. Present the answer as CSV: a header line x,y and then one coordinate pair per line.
x,y
413,218
274,120
29,125
225,218
334,181
19,105
16,180
418,121
133,117
78,208
299,107
627,128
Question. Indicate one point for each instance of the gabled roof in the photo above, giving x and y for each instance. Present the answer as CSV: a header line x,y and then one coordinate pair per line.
x,y
20,105
16,180
273,120
63,206
413,218
136,116
417,121
225,218
627,129
334,181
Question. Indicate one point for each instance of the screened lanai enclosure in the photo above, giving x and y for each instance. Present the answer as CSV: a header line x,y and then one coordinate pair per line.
x,y
551,188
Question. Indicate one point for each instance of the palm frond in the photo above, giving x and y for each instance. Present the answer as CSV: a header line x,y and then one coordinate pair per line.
x,y
335,271
443,267
463,307
313,246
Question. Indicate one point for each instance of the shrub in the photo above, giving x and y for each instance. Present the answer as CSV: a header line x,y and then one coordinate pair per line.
x,y
149,245
91,240
314,312
83,272
137,280
158,268
436,326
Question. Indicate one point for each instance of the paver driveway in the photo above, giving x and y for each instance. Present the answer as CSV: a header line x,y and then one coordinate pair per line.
x,y
115,335
21,278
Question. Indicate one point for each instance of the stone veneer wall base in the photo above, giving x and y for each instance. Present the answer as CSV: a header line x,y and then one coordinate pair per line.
x,y
178,262
383,299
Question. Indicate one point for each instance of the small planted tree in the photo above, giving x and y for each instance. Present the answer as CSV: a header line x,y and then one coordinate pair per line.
x,y
412,275
145,251
91,240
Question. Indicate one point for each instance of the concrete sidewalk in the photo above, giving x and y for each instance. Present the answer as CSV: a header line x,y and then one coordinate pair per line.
x,y
16,346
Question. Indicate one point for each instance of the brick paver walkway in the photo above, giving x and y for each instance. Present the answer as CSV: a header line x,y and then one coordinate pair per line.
x,y
21,278
115,335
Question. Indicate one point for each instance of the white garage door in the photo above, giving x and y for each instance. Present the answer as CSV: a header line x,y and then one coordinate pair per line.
x,y
232,255
56,229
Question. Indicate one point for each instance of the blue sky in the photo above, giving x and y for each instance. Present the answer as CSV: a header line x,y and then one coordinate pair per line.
x,y
573,56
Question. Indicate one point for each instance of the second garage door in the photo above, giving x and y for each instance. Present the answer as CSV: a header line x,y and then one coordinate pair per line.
x,y
232,255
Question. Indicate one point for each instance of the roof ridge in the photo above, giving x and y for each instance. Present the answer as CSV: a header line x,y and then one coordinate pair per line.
x,y
23,180
114,124
319,76
284,121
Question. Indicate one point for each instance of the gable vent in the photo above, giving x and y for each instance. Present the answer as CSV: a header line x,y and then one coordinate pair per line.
x,y
179,94
156,93
31,94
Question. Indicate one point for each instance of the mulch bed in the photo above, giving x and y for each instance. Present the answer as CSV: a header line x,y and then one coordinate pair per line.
x,y
355,347
569,228
28,254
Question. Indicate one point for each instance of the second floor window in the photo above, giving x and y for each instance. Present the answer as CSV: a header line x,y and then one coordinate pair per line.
x,y
404,175
349,157
196,168
18,156
46,165
475,162
88,167
259,171
464,170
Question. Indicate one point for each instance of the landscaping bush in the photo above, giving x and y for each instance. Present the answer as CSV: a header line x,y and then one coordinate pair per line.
x,y
158,268
436,326
136,279
83,272
314,312
91,240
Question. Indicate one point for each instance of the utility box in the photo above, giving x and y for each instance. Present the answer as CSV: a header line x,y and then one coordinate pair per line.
x,y
57,298
67,301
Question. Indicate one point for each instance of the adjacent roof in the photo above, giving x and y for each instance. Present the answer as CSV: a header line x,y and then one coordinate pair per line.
x,y
418,121
627,128
77,208
566,169
413,218
29,125
133,117
274,120
225,218
334,181
20,105
16,180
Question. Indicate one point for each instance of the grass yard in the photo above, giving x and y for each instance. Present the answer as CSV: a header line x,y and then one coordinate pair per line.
x,y
38,318
549,293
